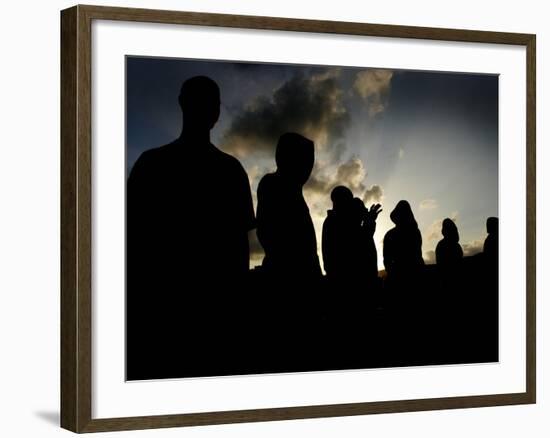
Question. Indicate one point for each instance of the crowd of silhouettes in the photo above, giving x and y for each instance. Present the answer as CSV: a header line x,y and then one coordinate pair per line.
x,y
192,302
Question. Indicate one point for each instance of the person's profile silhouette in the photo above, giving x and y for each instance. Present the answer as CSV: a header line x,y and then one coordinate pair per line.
x,y
337,239
365,224
285,229
490,246
448,251
349,252
403,244
189,209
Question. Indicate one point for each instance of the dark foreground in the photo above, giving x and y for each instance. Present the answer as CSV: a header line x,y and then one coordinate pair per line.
x,y
438,317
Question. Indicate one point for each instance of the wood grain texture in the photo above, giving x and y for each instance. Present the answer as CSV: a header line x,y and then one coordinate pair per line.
x,y
69,375
531,250
76,189
303,412
76,222
299,25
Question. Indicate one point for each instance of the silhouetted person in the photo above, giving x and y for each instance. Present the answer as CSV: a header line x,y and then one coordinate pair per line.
x,y
285,228
448,251
366,220
338,237
291,265
350,260
349,252
403,247
189,209
490,247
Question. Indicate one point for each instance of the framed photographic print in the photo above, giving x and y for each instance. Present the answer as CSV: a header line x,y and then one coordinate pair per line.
x,y
268,218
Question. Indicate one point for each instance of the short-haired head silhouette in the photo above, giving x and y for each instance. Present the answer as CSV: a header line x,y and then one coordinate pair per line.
x,y
449,230
402,215
341,197
295,157
492,225
199,100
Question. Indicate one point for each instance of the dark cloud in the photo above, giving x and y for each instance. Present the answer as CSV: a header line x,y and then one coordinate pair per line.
x,y
472,248
374,86
309,105
351,174
248,66
433,232
319,183
374,194
469,249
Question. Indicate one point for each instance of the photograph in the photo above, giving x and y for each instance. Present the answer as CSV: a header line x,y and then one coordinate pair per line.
x,y
281,219
291,218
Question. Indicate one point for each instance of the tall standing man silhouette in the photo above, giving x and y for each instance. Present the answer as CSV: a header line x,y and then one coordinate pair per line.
x,y
189,210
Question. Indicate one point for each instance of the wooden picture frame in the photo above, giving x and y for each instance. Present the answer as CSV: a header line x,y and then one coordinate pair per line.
x,y
76,218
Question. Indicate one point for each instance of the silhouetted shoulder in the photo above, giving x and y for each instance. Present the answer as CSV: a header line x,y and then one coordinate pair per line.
x,y
267,182
176,152
390,234
270,191
229,161
152,158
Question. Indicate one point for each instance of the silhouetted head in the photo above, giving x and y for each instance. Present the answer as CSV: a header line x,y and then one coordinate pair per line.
x,y
492,225
359,209
341,198
200,103
295,157
449,230
402,215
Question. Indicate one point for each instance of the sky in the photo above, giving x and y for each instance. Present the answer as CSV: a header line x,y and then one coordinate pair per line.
x,y
428,137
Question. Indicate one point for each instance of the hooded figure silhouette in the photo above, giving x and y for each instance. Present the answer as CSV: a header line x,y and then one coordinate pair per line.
x,y
339,239
284,225
448,251
490,246
403,243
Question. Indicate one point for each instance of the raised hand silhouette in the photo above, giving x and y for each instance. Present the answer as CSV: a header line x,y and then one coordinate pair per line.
x,y
374,211
349,252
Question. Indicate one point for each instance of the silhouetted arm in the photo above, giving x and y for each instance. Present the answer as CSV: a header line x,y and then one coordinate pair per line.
x,y
245,205
141,181
439,253
369,227
139,225
138,197
328,248
246,220
388,252
369,223
419,247
265,217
